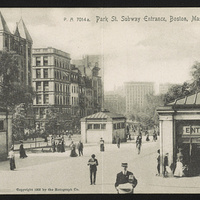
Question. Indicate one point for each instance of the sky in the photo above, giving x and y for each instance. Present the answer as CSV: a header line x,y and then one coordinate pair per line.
x,y
154,51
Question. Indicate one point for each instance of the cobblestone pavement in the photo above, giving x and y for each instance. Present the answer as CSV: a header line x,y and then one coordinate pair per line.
x,y
58,173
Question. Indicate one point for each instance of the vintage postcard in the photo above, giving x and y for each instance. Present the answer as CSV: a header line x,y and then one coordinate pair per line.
x,y
99,100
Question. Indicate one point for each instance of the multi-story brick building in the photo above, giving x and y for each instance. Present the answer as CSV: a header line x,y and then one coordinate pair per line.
x,y
135,93
51,80
89,66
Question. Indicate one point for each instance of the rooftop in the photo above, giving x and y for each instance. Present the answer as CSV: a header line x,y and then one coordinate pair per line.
x,y
104,115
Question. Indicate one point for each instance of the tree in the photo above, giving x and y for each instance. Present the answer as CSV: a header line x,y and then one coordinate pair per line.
x,y
12,91
177,91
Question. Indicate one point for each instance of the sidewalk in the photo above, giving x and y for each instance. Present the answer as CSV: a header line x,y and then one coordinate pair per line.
x,y
58,173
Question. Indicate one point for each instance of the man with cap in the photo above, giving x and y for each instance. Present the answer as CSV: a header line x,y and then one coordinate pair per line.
x,y
125,181
93,163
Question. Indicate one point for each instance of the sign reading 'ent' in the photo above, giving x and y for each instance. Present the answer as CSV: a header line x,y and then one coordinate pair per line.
x,y
187,130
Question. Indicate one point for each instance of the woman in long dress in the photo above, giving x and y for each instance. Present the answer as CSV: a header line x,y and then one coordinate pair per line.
x,y
11,156
22,151
179,169
73,150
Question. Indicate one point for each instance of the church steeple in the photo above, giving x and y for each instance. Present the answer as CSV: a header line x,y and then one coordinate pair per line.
x,y
23,31
3,25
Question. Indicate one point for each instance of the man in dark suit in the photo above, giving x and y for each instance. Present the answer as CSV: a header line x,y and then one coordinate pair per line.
x,y
93,163
124,177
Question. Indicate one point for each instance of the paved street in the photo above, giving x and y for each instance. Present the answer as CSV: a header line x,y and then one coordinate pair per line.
x,y
59,173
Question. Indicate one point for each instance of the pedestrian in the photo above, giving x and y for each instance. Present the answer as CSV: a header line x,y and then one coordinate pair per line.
x,y
118,142
158,163
125,181
166,164
53,144
22,153
73,150
139,142
179,168
93,163
102,148
62,145
59,146
80,148
11,156
147,137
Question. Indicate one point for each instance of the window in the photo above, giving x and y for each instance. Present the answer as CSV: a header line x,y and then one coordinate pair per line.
x,y
45,60
38,61
118,125
46,86
103,126
45,73
89,126
38,73
38,99
38,86
122,125
46,99
72,100
1,125
114,126
96,126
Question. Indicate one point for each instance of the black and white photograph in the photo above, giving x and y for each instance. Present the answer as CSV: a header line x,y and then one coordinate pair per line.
x,y
99,100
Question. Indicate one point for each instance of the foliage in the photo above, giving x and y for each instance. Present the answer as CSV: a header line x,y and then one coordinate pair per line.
x,y
14,95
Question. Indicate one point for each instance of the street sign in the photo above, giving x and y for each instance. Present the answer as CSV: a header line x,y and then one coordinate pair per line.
x,y
191,130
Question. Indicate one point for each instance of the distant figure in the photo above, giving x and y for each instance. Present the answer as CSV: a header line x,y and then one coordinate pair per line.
x,y
158,163
102,148
139,142
118,142
59,146
53,143
166,164
11,156
62,145
80,148
147,137
22,153
125,181
127,128
73,150
93,163
154,136
114,140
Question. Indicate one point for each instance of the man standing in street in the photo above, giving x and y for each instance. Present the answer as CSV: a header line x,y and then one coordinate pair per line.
x,y
125,181
118,142
80,148
166,164
158,163
93,163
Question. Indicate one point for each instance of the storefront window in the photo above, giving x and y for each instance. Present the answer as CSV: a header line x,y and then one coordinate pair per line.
x,y
1,125
103,126
96,126
89,126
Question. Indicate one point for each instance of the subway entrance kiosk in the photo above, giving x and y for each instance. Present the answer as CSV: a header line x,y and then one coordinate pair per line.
x,y
179,124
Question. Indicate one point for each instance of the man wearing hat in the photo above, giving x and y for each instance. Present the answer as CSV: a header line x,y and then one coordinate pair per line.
x,y
125,181
93,163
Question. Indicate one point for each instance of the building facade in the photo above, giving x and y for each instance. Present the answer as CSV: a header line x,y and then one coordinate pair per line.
x,y
51,80
90,68
20,44
135,93
179,126
105,124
